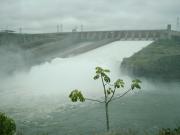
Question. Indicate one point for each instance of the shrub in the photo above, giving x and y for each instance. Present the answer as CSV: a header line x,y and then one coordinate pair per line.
x,y
7,125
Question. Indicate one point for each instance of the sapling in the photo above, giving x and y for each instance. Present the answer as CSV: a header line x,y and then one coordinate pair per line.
x,y
109,90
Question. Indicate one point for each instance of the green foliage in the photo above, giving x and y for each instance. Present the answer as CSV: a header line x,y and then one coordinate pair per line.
x,y
7,125
158,60
76,95
136,84
109,89
119,84
163,131
168,131
100,72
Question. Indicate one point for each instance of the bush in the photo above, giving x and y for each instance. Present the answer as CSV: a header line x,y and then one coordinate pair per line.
x,y
7,125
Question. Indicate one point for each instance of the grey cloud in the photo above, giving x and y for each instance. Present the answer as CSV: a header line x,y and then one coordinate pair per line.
x,y
44,15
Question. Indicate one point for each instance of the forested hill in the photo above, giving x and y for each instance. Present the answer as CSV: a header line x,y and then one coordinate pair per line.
x,y
160,60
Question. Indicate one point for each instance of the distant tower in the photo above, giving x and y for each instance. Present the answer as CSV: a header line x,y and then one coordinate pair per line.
x,y
177,24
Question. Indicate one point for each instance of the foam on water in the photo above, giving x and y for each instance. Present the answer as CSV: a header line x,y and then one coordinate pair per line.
x,y
51,82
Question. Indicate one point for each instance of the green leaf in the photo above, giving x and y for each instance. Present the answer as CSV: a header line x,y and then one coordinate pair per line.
x,y
96,77
119,84
135,84
136,81
76,95
109,91
103,74
107,79
99,70
107,70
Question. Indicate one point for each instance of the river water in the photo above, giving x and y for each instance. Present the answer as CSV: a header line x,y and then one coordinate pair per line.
x,y
38,99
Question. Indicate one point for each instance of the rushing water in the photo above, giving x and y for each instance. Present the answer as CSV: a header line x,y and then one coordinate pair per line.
x,y
38,100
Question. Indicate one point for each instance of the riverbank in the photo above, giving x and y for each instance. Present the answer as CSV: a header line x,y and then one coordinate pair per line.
x,y
161,59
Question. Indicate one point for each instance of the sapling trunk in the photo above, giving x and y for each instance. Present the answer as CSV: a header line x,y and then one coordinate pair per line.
x,y
107,116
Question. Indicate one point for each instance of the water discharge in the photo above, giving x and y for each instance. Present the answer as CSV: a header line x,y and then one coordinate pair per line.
x,y
40,96
58,77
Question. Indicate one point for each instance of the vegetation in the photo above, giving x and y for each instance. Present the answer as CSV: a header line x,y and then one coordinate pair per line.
x,y
109,90
158,60
7,125
163,131
168,131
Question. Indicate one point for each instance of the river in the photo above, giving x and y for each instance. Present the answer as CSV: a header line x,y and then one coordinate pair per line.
x,y
38,99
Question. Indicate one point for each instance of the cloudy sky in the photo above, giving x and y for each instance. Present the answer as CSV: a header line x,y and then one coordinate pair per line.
x,y
44,15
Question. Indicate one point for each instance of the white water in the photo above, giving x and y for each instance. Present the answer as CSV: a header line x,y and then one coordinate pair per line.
x,y
46,86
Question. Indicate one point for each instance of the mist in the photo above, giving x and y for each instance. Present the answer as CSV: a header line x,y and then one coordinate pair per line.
x,y
51,82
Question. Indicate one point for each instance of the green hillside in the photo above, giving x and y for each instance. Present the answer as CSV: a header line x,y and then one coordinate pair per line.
x,y
160,59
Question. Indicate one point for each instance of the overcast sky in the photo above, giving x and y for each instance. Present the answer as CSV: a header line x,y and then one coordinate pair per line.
x,y
44,15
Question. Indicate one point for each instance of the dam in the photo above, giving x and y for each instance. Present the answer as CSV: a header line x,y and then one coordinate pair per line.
x,y
81,36
38,48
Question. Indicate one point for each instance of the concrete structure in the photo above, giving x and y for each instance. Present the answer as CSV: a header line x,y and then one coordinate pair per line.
x,y
83,36
127,34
